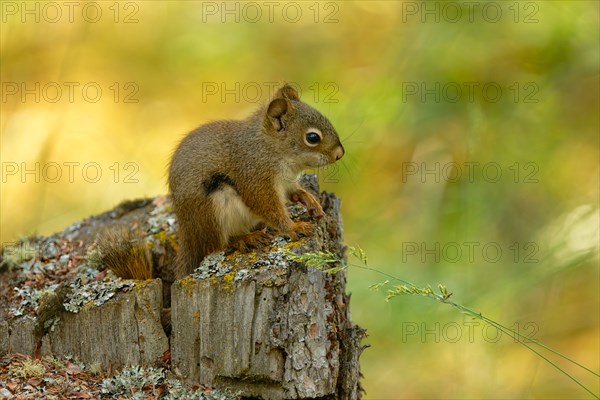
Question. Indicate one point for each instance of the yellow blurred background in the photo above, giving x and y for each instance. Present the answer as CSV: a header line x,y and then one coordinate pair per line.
x,y
471,135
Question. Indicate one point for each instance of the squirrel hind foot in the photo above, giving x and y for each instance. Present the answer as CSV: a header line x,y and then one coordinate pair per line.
x,y
251,241
301,229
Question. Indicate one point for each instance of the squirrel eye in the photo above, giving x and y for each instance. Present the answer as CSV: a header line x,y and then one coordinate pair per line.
x,y
312,138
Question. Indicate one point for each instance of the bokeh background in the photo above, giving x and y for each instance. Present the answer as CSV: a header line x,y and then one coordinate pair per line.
x,y
471,135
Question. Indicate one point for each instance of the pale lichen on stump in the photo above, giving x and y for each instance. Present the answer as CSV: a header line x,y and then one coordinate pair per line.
x,y
258,323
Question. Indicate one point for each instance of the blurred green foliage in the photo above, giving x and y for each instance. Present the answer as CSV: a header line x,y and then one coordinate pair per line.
x,y
432,99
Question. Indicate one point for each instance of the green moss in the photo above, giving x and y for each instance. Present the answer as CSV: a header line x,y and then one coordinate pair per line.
x,y
188,284
95,368
165,237
56,363
29,369
227,280
95,260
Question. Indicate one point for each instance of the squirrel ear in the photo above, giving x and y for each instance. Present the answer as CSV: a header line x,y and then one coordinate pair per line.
x,y
277,108
288,92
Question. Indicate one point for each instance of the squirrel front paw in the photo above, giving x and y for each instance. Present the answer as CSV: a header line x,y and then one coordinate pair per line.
x,y
252,240
312,205
301,228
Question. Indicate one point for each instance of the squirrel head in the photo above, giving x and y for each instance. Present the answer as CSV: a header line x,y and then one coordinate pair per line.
x,y
302,132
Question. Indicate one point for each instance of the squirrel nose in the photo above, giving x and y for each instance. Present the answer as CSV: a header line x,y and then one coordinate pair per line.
x,y
338,152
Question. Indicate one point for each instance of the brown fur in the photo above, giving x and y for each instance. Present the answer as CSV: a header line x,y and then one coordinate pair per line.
x,y
125,254
225,177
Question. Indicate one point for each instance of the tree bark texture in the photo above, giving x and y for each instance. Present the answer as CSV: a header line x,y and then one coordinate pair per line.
x,y
260,323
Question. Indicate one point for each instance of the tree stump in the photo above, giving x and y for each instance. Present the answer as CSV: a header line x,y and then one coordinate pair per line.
x,y
261,323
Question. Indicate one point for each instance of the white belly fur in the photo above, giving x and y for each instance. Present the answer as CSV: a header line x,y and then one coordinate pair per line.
x,y
232,214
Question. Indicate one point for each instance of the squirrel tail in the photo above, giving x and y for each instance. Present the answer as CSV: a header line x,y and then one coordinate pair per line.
x,y
125,253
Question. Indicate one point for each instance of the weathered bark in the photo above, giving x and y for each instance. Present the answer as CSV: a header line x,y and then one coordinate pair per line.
x,y
20,336
268,326
124,331
259,323
279,335
4,337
